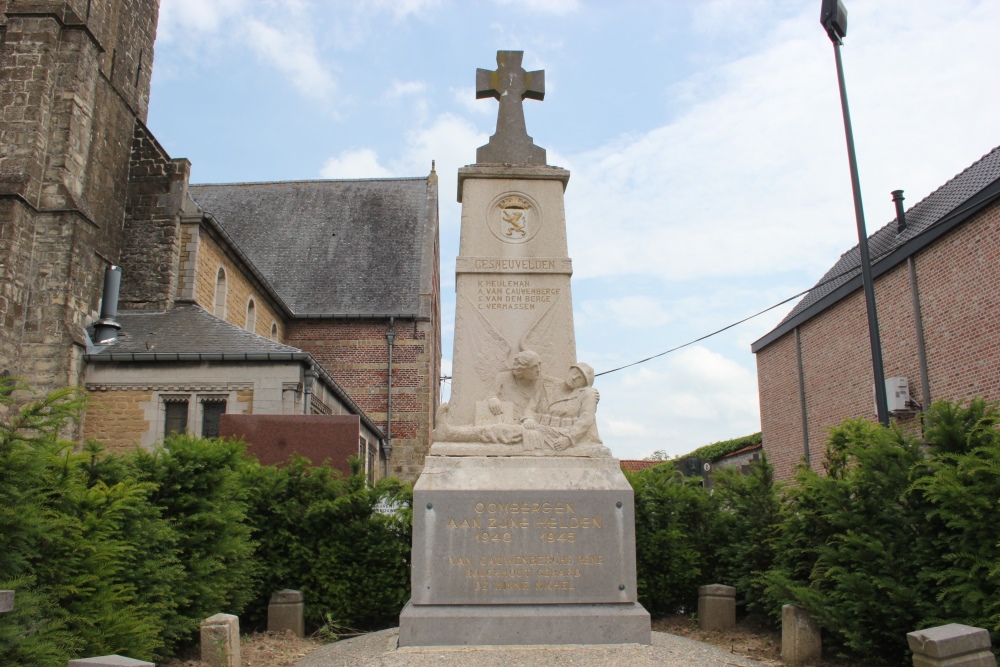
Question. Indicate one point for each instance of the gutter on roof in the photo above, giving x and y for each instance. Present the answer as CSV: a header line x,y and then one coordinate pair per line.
x,y
358,316
302,357
954,218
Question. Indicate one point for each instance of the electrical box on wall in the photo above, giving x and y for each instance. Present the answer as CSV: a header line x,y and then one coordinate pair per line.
x,y
897,394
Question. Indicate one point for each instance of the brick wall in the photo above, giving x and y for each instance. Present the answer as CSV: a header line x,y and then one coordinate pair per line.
x,y
239,289
780,411
958,279
355,353
117,419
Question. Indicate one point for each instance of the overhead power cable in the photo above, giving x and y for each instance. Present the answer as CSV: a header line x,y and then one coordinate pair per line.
x,y
749,317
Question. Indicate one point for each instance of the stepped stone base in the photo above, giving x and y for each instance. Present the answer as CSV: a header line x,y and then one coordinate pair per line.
x,y
506,625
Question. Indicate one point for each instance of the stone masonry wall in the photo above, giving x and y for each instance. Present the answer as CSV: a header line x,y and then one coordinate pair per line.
x,y
239,289
355,353
958,280
117,419
157,190
65,139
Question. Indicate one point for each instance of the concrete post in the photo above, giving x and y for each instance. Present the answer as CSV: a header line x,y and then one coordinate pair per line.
x,y
951,645
286,611
109,661
716,607
800,638
6,601
220,640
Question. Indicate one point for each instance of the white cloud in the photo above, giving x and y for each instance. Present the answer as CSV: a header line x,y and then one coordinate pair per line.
x,y
694,397
293,52
466,97
557,7
752,175
627,311
184,17
361,163
402,8
403,88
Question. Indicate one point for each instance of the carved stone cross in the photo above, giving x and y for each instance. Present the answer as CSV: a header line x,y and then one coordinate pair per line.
x,y
510,84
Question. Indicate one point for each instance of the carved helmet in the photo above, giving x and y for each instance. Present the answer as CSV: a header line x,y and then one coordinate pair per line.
x,y
587,370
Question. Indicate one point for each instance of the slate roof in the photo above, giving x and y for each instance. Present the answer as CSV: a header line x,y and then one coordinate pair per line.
x,y
343,247
187,330
950,205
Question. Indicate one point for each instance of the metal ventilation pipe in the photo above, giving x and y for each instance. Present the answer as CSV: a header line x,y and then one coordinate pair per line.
x,y
897,198
106,329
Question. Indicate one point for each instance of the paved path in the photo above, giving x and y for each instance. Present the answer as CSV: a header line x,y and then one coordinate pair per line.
x,y
379,649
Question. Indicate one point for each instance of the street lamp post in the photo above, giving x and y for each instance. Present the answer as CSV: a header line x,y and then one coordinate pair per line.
x,y
833,17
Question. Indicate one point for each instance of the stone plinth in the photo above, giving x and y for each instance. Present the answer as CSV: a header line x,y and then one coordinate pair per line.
x,y
521,550
951,645
800,638
716,607
109,661
6,601
286,611
220,640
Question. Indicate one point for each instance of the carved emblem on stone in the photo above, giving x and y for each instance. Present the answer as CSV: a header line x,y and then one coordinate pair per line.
x,y
514,219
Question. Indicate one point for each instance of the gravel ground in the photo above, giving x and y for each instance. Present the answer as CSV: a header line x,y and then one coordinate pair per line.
x,y
379,649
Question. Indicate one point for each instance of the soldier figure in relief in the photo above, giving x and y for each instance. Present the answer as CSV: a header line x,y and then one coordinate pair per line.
x,y
522,386
565,422
570,417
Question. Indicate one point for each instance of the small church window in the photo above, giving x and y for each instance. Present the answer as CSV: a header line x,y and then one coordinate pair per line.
x,y
220,294
251,316
176,417
212,412
274,331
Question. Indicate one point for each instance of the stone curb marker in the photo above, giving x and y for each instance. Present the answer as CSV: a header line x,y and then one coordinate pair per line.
x,y
220,640
716,607
951,645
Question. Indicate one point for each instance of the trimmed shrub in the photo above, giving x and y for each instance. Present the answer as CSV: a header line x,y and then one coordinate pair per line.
x,y
319,533
748,525
958,488
674,530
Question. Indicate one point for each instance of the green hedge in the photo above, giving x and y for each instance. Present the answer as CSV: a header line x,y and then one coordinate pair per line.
x,y
128,554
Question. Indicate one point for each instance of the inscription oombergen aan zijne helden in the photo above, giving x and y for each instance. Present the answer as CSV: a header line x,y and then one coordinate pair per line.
x,y
543,546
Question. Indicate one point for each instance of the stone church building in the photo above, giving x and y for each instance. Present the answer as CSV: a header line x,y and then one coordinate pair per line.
x,y
937,290
284,298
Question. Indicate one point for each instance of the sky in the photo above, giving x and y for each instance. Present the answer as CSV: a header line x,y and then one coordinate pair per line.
x,y
709,175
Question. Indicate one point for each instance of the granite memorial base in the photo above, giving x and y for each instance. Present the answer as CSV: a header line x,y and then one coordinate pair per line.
x,y
523,550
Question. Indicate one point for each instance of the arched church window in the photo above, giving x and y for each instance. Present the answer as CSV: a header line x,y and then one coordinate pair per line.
x,y
251,316
220,294
274,331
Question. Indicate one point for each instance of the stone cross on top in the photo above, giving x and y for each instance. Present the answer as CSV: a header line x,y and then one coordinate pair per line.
x,y
510,84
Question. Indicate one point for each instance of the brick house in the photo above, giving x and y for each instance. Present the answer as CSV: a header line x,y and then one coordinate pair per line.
x,y
937,290
270,298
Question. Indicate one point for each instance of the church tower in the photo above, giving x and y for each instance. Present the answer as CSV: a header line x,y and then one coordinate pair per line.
x,y
74,90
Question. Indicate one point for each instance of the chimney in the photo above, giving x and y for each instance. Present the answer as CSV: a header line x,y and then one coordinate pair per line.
x,y
897,198
106,329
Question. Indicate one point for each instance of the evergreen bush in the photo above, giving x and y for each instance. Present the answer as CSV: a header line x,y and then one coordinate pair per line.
x,y
846,544
748,524
319,533
675,528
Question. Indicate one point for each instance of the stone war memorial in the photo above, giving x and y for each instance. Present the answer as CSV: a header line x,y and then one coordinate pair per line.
x,y
523,523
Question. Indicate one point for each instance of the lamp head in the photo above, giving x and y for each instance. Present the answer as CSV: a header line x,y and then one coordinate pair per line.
x,y
833,17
